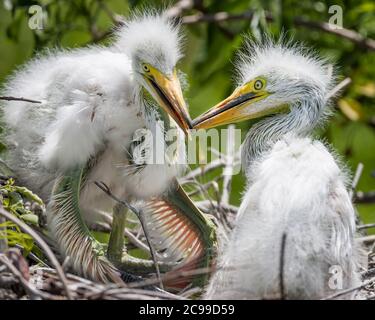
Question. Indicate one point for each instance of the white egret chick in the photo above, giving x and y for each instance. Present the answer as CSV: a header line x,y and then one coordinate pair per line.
x,y
295,186
94,100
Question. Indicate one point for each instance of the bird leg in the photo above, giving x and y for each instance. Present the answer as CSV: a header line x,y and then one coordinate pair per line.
x,y
127,262
150,245
116,239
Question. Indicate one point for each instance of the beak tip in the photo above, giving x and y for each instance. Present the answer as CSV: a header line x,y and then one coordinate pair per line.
x,y
194,122
189,124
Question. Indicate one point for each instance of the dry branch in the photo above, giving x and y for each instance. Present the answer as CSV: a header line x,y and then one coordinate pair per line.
x,y
47,280
281,267
229,164
215,164
101,185
348,34
33,292
350,290
19,99
343,84
357,176
366,226
42,244
364,197
178,9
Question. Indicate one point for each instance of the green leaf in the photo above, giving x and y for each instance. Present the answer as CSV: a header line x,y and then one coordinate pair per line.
x,y
30,218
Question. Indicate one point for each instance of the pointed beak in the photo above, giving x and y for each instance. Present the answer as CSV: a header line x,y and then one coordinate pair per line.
x,y
229,110
167,92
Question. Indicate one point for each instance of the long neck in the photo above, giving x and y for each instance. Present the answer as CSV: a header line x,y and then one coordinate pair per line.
x,y
300,122
162,125
169,123
155,113
173,137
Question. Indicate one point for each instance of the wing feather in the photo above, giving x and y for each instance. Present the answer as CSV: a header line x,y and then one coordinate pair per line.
x,y
180,233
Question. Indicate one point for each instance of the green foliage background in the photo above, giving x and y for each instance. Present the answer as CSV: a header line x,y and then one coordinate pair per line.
x,y
210,50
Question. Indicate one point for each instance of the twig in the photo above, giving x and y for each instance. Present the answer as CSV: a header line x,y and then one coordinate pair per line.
x,y
100,227
172,276
205,204
42,244
228,168
182,274
134,240
202,188
281,267
357,176
19,99
366,239
32,292
32,256
370,273
217,17
343,84
220,209
348,34
138,243
343,292
7,279
366,226
131,294
86,289
3,238
101,185
190,292
178,9
183,5
198,5
215,164
362,197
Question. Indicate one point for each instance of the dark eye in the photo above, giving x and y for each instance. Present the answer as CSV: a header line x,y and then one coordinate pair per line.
x,y
146,68
258,85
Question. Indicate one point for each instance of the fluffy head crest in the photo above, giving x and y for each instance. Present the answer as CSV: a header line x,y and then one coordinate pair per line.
x,y
151,38
285,66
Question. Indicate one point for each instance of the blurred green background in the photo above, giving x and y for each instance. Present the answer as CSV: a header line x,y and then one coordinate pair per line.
x,y
209,52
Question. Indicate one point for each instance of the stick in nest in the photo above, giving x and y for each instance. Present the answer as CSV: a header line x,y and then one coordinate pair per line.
x,y
101,185
43,245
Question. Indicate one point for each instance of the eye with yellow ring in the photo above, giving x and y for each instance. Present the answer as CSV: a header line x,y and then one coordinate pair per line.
x,y
146,67
258,84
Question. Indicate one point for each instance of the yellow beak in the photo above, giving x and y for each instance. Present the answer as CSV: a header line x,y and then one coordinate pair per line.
x,y
230,110
166,90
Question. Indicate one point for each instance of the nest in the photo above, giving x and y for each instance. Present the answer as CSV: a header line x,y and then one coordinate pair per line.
x,y
30,268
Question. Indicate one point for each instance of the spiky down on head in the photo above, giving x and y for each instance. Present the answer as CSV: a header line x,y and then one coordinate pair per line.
x,y
151,38
153,43
273,77
291,72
